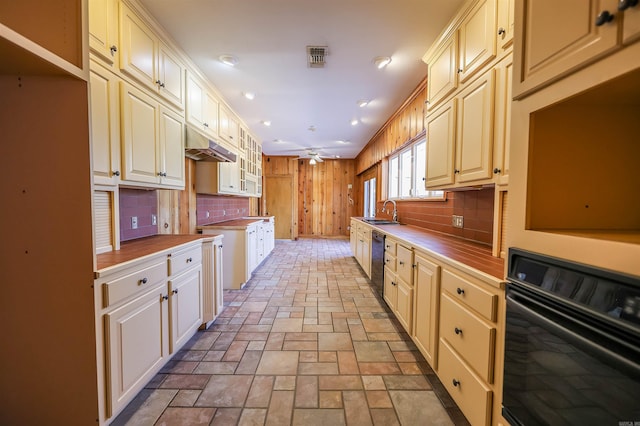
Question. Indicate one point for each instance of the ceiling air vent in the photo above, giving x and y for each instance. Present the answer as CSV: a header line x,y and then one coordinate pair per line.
x,y
315,56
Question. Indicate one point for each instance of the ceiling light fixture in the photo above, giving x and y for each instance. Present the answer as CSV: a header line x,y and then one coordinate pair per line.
x,y
354,122
343,142
382,61
312,161
266,122
249,95
228,60
337,156
362,103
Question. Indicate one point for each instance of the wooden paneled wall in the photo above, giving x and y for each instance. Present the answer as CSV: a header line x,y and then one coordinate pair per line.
x,y
277,168
324,206
403,127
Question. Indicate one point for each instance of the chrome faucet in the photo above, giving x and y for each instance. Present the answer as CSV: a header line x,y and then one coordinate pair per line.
x,y
395,209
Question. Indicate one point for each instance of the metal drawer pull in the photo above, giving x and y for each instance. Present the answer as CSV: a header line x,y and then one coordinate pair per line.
x,y
457,330
459,290
142,281
165,297
401,262
189,260
456,382
175,291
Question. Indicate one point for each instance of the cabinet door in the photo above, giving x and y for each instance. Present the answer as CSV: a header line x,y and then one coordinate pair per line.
x,y
103,29
138,48
427,289
229,177
631,30
558,37
477,39
366,255
105,137
186,306
171,148
228,126
170,76
505,23
252,249
502,138
139,127
353,238
210,113
136,345
390,288
441,131
195,103
218,277
475,130
442,72
404,263
404,305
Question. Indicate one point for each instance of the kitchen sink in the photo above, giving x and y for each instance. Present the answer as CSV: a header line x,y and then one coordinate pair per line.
x,y
374,221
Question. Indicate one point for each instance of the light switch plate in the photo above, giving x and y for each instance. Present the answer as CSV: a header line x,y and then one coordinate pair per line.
x,y
134,222
457,221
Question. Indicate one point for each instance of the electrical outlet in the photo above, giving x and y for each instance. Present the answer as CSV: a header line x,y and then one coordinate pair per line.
x,y
224,212
134,222
207,214
154,219
457,221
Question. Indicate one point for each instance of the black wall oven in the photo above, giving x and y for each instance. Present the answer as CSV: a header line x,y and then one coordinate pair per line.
x,y
572,344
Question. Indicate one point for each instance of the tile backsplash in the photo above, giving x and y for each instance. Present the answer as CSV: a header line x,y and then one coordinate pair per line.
x,y
141,204
218,208
476,207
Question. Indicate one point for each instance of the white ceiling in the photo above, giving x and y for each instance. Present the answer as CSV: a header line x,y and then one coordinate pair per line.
x,y
269,39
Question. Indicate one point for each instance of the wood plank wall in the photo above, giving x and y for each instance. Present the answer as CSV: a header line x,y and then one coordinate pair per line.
x,y
403,127
324,209
279,166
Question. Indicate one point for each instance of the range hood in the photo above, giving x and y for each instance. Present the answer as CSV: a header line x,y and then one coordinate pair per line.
x,y
199,147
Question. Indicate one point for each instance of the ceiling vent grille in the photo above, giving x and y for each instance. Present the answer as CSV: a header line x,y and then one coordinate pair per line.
x,y
315,56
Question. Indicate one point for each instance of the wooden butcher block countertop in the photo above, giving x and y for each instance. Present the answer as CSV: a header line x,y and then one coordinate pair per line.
x,y
142,247
474,258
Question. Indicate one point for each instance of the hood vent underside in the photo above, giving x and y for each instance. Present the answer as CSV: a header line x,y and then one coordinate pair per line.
x,y
315,56
199,147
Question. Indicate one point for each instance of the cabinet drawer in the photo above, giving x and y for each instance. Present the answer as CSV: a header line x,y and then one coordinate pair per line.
x,y
390,261
185,259
404,264
469,392
133,280
463,289
390,246
470,336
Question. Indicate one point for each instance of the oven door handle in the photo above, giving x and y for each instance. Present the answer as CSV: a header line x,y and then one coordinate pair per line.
x,y
622,363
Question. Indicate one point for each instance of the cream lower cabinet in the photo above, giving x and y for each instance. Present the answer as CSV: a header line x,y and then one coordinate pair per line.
x,y
398,282
363,247
470,316
212,294
146,311
426,306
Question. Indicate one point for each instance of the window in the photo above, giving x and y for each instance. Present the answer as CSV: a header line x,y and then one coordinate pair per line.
x,y
407,171
370,197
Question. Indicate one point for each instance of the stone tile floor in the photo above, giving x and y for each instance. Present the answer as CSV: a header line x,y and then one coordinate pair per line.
x,y
305,342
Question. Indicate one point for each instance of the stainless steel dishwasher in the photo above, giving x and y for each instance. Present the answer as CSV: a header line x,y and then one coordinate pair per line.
x,y
377,261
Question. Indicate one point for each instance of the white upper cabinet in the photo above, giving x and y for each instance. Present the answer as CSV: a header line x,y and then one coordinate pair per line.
x,y
477,39
202,107
103,30
144,57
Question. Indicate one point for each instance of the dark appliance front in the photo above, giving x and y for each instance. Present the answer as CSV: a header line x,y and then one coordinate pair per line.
x,y
572,344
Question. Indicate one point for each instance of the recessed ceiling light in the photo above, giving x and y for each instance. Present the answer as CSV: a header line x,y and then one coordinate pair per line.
x,y
312,128
278,141
266,122
354,122
343,142
228,60
382,61
362,103
249,95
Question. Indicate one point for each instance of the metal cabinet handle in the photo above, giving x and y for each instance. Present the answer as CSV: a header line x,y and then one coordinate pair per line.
x,y
189,260
175,291
113,49
206,124
496,171
501,31
604,17
401,262
458,330
116,173
460,290
456,382
142,281
165,297
159,83
625,4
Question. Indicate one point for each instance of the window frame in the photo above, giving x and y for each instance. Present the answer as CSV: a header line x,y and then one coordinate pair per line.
x,y
395,193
